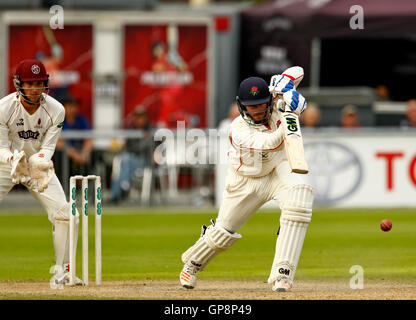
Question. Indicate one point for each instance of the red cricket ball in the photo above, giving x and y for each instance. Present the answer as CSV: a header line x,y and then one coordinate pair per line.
x,y
386,225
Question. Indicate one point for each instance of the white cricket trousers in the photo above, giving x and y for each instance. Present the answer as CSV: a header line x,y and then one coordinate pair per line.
x,y
52,198
244,195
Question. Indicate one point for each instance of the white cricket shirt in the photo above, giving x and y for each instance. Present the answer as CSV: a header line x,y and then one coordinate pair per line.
x,y
32,133
255,149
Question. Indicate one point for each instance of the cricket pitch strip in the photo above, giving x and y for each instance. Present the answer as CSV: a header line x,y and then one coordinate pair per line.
x,y
210,290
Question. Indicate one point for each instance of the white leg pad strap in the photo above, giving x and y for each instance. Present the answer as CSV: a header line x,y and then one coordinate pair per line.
x,y
295,218
215,240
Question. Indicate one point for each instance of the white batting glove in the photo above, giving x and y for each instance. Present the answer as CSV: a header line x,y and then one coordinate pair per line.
x,y
20,170
41,172
292,101
280,84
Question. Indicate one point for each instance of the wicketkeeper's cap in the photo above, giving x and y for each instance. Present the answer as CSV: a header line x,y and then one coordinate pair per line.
x,y
253,91
31,70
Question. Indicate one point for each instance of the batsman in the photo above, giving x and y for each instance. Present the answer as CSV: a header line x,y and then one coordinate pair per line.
x,y
259,171
30,125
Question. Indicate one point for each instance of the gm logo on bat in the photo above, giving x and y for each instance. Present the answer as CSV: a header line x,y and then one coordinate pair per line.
x,y
291,124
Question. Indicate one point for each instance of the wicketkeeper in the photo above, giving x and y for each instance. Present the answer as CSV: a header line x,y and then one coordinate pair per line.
x,y
258,172
30,125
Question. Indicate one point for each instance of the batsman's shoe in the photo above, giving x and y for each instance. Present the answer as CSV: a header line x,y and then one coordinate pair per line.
x,y
188,276
282,284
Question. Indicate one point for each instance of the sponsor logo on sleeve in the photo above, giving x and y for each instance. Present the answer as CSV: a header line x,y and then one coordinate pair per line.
x,y
60,125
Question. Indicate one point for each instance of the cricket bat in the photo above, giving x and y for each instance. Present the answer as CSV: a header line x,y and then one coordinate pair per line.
x,y
291,129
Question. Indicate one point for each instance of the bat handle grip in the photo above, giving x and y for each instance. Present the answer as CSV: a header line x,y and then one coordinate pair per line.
x,y
287,109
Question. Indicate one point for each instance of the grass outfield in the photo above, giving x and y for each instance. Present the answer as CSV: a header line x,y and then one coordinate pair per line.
x,y
149,245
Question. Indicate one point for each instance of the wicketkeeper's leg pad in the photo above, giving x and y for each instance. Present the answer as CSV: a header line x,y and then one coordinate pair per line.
x,y
214,240
60,233
62,214
294,220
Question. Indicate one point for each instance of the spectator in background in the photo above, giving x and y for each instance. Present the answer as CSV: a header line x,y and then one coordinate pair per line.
x,y
383,93
311,117
135,155
233,113
77,150
350,117
410,121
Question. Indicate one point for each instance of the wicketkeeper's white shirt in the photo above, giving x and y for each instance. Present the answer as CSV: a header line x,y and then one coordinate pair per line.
x,y
34,133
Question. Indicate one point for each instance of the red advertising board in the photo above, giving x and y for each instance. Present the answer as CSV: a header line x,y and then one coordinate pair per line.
x,y
66,54
166,72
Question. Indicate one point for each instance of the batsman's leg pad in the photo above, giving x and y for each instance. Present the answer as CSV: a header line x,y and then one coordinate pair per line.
x,y
295,218
298,207
213,241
